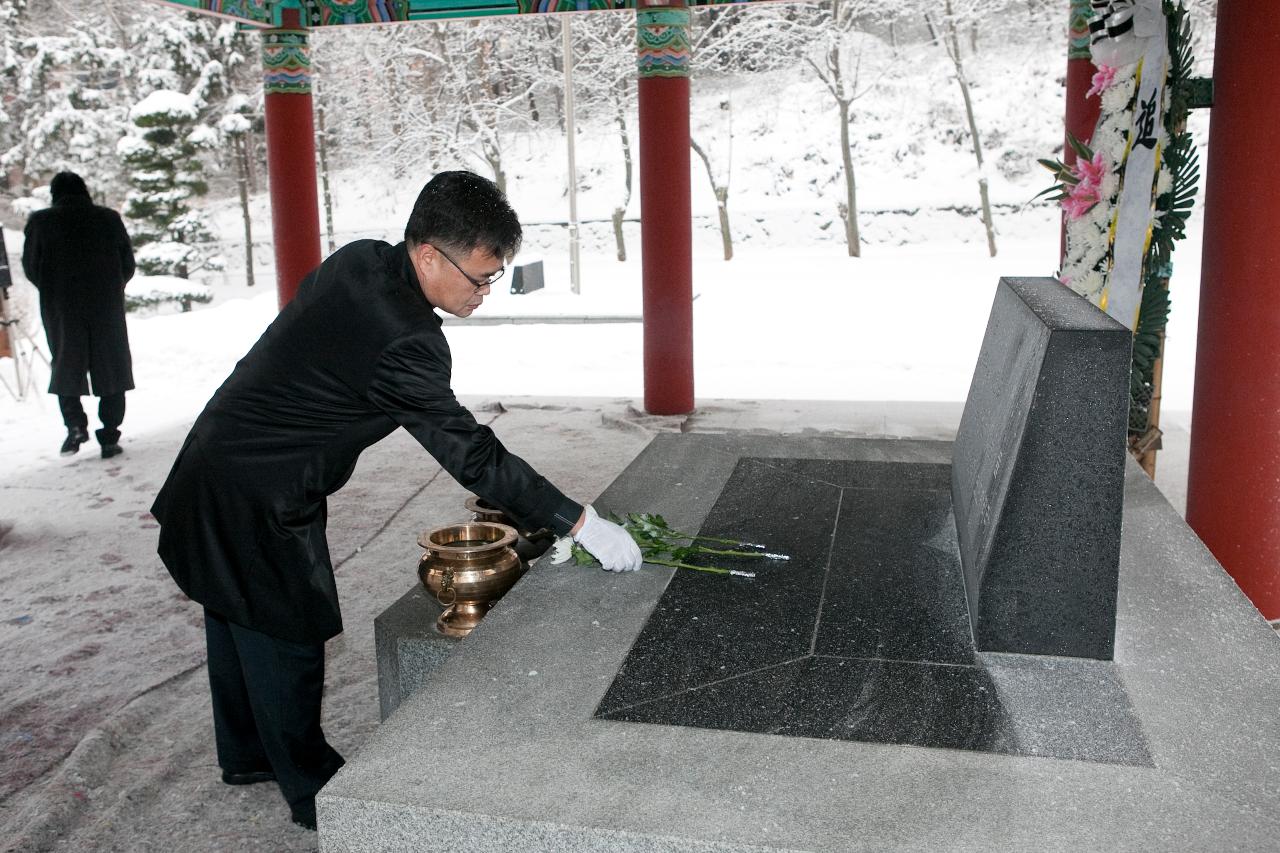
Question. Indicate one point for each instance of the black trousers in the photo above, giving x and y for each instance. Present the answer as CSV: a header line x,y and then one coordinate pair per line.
x,y
266,708
110,412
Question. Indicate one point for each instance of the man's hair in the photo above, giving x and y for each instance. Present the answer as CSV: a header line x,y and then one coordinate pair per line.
x,y
65,184
461,212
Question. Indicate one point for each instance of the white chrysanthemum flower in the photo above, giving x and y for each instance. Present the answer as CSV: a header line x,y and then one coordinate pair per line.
x,y
1086,249
1109,186
1110,140
562,550
1090,284
1099,217
1126,77
1164,181
1082,250
1116,98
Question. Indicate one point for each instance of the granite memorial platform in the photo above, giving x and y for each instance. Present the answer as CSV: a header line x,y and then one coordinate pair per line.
x,y
967,650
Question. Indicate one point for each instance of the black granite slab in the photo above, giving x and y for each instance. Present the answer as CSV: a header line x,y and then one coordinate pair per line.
x,y
706,626
847,699
1038,473
862,635
895,589
867,473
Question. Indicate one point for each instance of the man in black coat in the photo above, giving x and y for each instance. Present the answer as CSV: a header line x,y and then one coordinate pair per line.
x,y
78,256
356,354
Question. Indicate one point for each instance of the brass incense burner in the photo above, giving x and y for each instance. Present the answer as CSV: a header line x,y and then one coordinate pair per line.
x,y
482,510
530,545
468,567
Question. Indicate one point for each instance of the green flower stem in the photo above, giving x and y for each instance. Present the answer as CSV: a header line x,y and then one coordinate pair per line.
x,y
712,539
720,553
715,570
675,534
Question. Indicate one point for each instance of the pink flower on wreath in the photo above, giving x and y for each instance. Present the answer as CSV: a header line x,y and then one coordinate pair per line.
x,y
1103,79
1080,200
1087,190
1091,172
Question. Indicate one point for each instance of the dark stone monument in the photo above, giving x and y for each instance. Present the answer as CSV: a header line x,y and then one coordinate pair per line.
x,y
1037,473
526,278
906,573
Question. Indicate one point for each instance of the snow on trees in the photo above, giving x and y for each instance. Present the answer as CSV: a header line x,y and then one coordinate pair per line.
x,y
848,60
69,87
235,127
488,94
480,70
165,172
604,52
62,111
10,63
957,15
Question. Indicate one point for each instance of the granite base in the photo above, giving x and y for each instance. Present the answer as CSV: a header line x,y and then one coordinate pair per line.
x,y
504,752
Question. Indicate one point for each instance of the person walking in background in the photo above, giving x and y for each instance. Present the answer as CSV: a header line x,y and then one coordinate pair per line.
x,y
79,257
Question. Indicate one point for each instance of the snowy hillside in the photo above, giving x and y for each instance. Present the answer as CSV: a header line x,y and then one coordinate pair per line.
x,y
791,316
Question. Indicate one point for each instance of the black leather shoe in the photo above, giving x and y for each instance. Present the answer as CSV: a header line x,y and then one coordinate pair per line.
x,y
109,450
304,815
76,436
251,777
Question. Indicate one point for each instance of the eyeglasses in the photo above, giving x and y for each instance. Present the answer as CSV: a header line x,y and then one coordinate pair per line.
x,y
476,283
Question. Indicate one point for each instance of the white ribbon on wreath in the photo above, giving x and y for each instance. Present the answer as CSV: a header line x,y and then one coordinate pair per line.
x,y
1120,28
1127,31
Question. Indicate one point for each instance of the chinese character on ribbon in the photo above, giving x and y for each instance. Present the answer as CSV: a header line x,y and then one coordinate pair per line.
x,y
1145,124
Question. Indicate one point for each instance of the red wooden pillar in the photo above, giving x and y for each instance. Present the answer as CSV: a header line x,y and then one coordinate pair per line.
x,y
1081,116
1233,488
666,231
291,155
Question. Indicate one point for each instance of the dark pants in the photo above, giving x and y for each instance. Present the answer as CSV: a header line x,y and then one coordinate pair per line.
x,y
266,708
110,412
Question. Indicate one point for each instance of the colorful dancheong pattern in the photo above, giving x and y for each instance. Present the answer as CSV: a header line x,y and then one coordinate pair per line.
x,y
337,12
286,62
662,42
328,13
1078,30
251,11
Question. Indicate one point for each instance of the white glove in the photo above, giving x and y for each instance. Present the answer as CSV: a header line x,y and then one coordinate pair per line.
x,y
608,543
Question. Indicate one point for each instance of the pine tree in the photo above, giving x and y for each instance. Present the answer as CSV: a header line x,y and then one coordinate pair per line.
x,y
165,171
193,54
67,85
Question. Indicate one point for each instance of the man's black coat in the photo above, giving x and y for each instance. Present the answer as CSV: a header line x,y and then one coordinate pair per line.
x,y
358,352
79,257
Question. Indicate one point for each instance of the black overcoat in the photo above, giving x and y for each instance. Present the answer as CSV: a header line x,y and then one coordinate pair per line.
x,y
78,256
358,352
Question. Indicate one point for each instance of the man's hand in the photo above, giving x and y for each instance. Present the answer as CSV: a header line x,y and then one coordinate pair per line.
x,y
607,542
